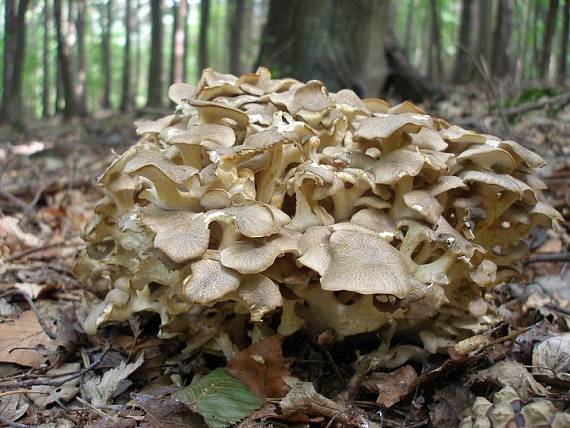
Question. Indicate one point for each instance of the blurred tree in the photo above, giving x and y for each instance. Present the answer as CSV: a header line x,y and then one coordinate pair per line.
x,y
46,63
14,48
81,73
500,55
127,93
71,105
409,26
564,35
338,42
155,69
236,21
435,62
179,10
485,17
549,28
461,70
186,42
107,28
203,60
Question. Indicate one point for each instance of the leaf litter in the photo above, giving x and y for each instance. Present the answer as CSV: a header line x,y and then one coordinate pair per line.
x,y
293,380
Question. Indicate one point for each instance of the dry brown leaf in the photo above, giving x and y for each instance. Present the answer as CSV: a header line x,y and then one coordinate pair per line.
x,y
25,332
262,368
393,386
11,232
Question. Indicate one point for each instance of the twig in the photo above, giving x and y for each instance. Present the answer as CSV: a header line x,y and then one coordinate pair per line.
x,y
549,258
34,308
535,105
21,391
36,382
95,409
29,251
558,309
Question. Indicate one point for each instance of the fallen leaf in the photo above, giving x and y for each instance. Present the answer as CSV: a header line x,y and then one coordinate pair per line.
x,y
449,406
101,390
551,358
25,332
50,394
12,408
304,399
262,368
393,386
220,398
166,412
509,373
12,234
34,290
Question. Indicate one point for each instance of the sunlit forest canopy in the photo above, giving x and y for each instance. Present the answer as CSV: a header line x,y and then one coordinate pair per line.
x,y
103,51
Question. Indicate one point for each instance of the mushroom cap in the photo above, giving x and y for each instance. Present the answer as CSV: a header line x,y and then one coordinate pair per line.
x,y
367,264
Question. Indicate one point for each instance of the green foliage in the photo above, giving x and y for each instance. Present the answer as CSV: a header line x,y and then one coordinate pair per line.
x,y
531,94
220,398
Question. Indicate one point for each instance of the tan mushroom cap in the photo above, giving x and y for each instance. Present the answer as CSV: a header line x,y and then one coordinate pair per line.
x,y
423,203
488,158
397,164
209,281
367,264
446,183
260,294
384,126
429,139
209,135
315,249
376,105
255,256
500,181
456,134
181,235
405,107
545,215
146,158
180,93
211,112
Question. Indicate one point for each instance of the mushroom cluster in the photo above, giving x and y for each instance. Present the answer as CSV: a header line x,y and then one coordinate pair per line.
x,y
276,202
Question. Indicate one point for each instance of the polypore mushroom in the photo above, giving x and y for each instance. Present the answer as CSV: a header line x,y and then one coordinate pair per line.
x,y
285,204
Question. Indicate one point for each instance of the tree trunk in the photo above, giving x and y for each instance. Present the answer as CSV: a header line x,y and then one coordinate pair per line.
x,y
236,37
71,106
46,63
336,41
203,60
409,25
483,41
563,54
461,70
81,73
435,62
179,10
127,95
14,47
138,53
186,52
522,65
106,51
549,28
155,67
500,56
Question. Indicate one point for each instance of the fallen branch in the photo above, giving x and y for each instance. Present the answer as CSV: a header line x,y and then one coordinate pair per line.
x,y
56,382
549,258
535,105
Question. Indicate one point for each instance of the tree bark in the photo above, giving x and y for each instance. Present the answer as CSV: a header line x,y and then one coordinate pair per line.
x,y
127,95
549,28
236,37
461,70
14,48
179,10
203,60
155,68
138,53
409,25
71,106
484,24
563,54
500,56
186,53
435,62
46,63
106,51
81,72
336,41
522,66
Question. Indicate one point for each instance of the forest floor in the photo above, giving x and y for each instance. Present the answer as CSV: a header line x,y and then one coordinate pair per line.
x,y
53,374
